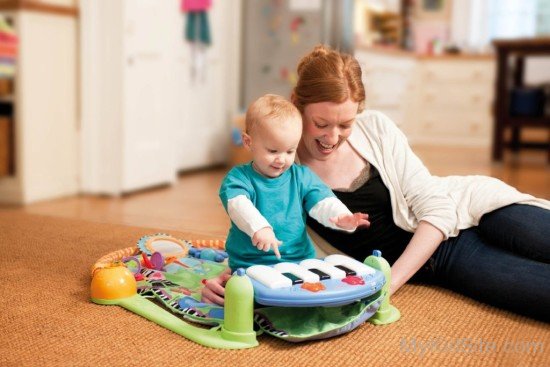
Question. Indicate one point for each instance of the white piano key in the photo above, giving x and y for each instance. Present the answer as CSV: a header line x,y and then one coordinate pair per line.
x,y
300,272
348,262
325,267
268,276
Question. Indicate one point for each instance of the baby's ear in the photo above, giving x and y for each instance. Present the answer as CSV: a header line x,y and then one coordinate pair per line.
x,y
246,140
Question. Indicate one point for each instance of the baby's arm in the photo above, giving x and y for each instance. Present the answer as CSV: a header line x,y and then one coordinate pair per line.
x,y
332,213
249,220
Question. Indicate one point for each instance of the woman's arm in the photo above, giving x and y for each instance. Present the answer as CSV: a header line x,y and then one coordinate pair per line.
x,y
423,244
214,289
411,185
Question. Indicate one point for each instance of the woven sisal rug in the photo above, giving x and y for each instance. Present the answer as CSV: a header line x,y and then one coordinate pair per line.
x,y
47,320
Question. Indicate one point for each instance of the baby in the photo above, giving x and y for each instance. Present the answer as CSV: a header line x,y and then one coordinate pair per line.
x,y
268,198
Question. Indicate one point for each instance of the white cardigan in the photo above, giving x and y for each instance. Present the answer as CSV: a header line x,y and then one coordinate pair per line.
x,y
449,203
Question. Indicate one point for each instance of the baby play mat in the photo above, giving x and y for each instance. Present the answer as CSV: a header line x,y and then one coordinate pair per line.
x,y
161,279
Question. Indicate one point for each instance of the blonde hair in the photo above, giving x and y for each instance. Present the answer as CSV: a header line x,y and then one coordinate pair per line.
x,y
326,75
272,108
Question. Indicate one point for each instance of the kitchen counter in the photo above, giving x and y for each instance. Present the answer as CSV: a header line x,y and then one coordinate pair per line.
x,y
392,51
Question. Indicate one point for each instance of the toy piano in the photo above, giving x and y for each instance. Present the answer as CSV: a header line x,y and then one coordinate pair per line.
x,y
337,280
173,271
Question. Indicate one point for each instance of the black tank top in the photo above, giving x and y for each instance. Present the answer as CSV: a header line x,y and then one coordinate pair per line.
x,y
372,198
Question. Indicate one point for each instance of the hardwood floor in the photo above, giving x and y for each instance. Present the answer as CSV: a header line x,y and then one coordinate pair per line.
x,y
192,204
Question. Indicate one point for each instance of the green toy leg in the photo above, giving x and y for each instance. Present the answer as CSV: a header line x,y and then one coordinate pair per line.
x,y
387,313
238,323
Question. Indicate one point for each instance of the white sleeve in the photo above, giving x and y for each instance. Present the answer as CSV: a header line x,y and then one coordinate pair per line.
x,y
245,215
328,208
425,195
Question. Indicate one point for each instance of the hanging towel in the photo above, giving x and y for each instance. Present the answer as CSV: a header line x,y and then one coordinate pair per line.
x,y
197,28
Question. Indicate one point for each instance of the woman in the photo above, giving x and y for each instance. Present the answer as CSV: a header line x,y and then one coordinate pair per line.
x,y
475,235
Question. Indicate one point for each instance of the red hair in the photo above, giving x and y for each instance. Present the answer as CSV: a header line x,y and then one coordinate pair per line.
x,y
326,75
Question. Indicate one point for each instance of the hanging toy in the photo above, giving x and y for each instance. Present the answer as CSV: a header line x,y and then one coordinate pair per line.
x,y
155,262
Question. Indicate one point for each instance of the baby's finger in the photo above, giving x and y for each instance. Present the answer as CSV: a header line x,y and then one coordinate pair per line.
x,y
362,219
363,223
260,246
276,249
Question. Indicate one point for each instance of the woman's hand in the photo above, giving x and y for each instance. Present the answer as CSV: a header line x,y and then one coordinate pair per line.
x,y
350,222
214,289
265,239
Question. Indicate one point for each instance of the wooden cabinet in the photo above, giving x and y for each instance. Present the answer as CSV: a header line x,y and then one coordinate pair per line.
x,y
453,102
44,120
434,100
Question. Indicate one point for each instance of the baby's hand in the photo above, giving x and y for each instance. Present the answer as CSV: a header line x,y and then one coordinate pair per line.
x,y
350,222
264,239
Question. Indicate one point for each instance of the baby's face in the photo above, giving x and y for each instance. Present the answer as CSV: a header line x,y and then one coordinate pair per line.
x,y
273,147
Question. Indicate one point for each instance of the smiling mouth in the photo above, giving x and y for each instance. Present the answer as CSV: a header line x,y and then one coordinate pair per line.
x,y
325,148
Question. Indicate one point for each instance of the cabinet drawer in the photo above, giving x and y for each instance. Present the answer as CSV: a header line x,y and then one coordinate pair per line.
x,y
449,125
458,71
464,97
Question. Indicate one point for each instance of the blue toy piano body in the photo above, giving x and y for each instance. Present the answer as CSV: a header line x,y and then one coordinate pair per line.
x,y
334,281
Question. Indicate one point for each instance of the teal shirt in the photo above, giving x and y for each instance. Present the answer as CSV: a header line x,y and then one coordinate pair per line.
x,y
284,201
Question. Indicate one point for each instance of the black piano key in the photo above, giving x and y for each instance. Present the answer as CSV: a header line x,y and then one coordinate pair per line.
x,y
294,278
347,270
322,274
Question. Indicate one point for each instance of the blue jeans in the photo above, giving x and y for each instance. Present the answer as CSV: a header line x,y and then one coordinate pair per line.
x,y
504,261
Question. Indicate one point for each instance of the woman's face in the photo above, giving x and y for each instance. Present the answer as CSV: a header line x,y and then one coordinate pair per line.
x,y
326,126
